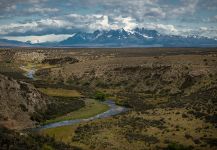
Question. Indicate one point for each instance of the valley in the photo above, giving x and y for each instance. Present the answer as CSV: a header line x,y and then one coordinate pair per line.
x,y
156,98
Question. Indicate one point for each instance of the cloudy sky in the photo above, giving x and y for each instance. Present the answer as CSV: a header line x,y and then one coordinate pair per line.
x,y
55,20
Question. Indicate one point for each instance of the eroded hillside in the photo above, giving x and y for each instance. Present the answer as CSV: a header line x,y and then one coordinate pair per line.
x,y
19,100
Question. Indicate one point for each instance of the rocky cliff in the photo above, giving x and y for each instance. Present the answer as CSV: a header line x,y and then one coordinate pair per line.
x,y
18,101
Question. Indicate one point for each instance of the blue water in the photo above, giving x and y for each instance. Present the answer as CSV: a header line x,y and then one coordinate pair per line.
x,y
113,110
30,74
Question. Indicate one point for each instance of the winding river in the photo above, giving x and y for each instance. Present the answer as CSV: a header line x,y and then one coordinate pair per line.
x,y
29,72
113,110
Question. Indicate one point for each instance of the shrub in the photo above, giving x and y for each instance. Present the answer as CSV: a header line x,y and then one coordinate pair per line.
x,y
46,147
122,103
58,106
175,146
10,139
8,61
100,96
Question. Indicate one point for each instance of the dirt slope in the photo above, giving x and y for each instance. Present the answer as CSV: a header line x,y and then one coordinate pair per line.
x,y
18,101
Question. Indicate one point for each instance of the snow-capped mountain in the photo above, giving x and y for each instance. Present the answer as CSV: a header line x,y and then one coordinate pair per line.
x,y
138,37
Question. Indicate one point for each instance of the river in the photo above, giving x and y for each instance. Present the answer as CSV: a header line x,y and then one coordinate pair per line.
x,y
113,110
29,72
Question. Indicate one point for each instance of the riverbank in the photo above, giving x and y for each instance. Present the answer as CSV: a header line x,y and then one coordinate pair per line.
x,y
92,110
74,119
30,69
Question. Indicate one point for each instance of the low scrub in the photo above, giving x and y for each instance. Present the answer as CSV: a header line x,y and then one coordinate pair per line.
x,y
175,146
16,141
58,107
100,96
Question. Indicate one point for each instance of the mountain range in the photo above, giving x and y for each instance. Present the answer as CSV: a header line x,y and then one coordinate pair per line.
x,y
139,37
12,43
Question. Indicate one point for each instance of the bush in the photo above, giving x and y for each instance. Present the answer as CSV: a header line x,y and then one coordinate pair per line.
x,y
8,61
100,96
11,140
58,107
175,146
122,103
46,147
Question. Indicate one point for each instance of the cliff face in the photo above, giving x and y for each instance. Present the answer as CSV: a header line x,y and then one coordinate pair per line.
x,y
18,101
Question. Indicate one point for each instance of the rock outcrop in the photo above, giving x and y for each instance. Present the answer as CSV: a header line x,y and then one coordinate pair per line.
x,y
18,101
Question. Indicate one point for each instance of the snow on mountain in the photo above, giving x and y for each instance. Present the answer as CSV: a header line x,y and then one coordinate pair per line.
x,y
139,37
136,37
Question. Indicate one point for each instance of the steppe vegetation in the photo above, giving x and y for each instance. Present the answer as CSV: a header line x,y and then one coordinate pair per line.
x,y
91,108
60,92
171,93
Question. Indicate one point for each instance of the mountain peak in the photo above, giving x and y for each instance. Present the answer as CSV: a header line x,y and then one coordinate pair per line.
x,y
138,37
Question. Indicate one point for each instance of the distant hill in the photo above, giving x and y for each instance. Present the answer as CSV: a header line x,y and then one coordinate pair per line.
x,y
12,43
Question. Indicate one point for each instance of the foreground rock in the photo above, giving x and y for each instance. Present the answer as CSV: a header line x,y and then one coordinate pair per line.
x,y
18,101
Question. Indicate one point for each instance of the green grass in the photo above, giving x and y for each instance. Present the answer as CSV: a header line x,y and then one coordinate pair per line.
x,y
99,96
60,92
92,108
63,134
175,146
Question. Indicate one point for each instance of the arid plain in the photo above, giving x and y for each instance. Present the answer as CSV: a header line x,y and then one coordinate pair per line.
x,y
170,95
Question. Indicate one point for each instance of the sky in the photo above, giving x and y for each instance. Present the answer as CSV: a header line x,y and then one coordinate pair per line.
x,y
56,20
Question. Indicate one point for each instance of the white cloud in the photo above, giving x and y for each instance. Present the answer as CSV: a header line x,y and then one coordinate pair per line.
x,y
102,23
163,28
154,12
33,26
42,10
207,32
68,24
18,27
188,7
203,28
37,1
40,39
127,23
53,23
10,8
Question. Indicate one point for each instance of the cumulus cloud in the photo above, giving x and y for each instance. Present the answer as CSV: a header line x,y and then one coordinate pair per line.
x,y
24,8
34,26
68,24
42,17
188,7
40,39
162,28
208,4
42,10
210,32
6,5
101,23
